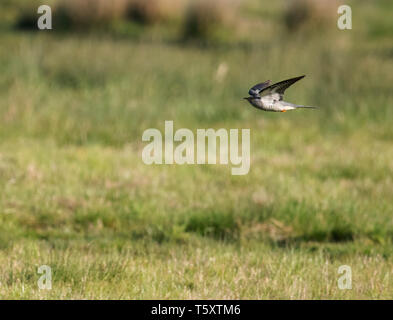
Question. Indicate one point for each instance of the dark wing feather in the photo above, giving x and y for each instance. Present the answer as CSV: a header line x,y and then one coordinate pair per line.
x,y
280,87
254,91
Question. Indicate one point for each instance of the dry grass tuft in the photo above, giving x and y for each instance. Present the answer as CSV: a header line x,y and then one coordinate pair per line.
x,y
310,14
204,17
88,13
85,14
26,13
155,11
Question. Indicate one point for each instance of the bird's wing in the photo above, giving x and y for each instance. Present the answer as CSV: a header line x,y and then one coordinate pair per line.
x,y
279,88
255,90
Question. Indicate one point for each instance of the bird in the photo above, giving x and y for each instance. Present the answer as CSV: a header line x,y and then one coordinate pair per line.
x,y
269,97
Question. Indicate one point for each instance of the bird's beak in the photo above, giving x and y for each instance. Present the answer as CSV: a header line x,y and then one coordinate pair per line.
x,y
245,98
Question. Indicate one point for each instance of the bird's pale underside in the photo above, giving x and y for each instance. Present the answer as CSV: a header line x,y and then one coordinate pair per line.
x,y
269,97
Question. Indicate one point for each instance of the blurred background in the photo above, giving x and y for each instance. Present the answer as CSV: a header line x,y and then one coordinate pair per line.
x,y
75,100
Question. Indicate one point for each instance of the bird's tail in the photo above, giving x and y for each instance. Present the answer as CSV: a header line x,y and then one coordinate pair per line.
x,y
308,107
296,106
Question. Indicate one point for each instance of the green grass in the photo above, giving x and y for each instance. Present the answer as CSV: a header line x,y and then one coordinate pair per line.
x,y
76,195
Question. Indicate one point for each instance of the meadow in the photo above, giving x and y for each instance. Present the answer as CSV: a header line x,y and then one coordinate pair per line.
x,y
76,196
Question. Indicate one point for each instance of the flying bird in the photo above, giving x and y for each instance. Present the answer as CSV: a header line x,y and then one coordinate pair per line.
x,y
269,97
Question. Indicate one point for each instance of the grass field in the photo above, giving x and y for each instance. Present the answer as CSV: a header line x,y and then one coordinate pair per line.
x,y
75,194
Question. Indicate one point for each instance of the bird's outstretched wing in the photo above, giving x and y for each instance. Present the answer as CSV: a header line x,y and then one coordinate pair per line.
x,y
255,90
279,87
